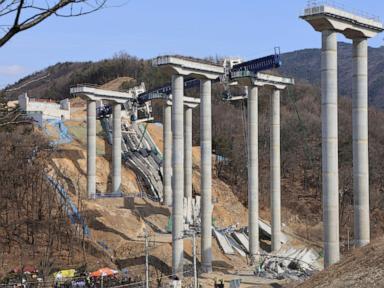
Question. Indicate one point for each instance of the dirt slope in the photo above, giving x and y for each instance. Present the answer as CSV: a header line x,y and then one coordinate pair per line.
x,y
70,159
117,229
116,84
364,267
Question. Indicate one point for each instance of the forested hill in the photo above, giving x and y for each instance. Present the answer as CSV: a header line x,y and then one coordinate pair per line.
x,y
54,81
301,64
305,64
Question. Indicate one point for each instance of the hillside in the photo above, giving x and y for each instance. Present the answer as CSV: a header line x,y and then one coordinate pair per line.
x,y
305,64
61,76
300,134
116,233
364,267
119,230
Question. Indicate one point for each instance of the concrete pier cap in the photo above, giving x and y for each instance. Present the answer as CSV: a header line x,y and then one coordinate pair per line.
x,y
187,66
247,78
189,102
96,94
323,16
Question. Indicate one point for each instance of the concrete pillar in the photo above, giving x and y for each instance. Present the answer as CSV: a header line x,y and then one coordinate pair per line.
x,y
167,155
206,174
91,149
178,174
116,149
360,142
188,160
275,170
330,172
253,173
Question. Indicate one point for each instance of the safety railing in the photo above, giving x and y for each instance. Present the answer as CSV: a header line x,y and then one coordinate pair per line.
x,y
337,5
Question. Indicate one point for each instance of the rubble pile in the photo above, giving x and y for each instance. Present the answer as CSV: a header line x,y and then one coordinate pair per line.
x,y
291,264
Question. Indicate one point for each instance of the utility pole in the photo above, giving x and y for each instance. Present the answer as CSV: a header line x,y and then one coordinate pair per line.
x,y
146,260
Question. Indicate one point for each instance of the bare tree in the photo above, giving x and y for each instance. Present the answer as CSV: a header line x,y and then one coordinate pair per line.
x,y
21,15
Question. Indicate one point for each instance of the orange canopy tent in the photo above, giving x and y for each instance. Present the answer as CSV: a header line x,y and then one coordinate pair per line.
x,y
103,272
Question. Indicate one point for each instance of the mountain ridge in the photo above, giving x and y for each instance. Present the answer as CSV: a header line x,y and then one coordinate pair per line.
x,y
300,64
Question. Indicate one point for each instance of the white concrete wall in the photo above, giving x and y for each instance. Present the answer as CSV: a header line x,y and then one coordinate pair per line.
x,y
50,110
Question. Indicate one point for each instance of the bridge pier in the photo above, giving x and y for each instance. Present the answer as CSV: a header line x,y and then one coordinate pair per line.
x,y
188,159
91,149
253,173
206,72
206,174
167,155
329,21
275,172
360,141
116,149
178,175
330,170
254,82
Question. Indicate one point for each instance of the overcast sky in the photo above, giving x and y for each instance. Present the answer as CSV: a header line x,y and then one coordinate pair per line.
x,y
148,28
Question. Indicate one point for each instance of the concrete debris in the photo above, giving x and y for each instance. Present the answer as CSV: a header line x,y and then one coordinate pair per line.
x,y
267,231
238,239
224,244
141,155
294,264
242,239
286,263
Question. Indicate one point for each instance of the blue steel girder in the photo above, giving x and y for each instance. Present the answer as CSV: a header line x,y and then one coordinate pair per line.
x,y
252,67
257,65
159,93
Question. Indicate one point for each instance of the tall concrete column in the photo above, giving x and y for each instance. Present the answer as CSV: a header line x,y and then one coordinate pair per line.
x,y
275,170
178,174
206,174
360,141
188,153
116,149
91,149
253,173
167,155
330,172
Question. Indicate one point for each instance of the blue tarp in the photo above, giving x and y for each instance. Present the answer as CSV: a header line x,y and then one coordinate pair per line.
x,y
62,130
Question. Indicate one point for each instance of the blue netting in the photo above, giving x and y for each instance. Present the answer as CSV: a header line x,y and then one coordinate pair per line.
x,y
71,209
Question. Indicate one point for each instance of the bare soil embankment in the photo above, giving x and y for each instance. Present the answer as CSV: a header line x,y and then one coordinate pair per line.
x,y
363,267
